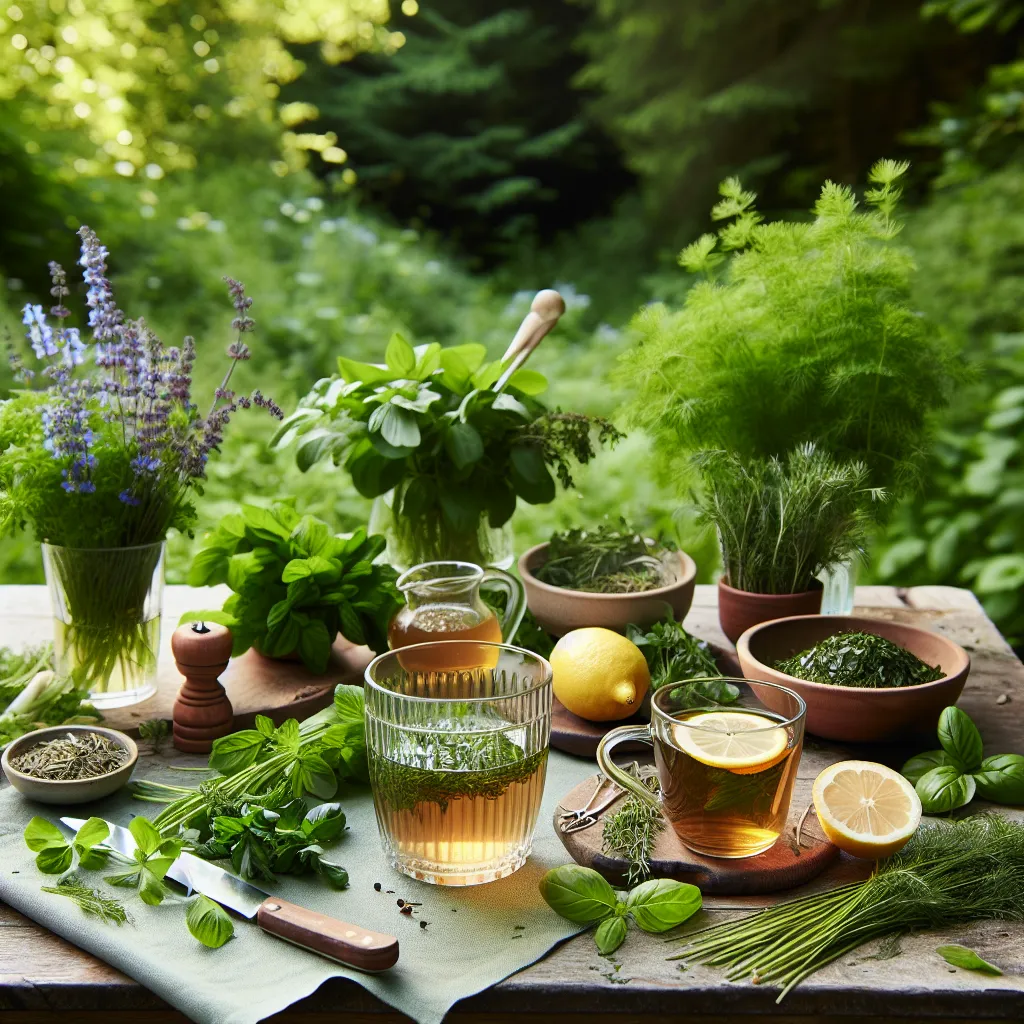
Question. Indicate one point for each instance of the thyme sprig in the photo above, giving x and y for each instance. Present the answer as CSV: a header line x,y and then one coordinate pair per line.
x,y
634,828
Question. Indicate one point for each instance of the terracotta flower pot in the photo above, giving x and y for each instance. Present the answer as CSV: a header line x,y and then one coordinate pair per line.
x,y
856,714
738,610
559,611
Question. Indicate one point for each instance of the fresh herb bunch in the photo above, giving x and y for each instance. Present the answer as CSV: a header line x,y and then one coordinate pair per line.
x,y
634,828
33,697
854,658
144,872
296,585
950,873
308,758
430,426
803,331
949,778
274,836
672,654
603,560
583,896
781,521
108,458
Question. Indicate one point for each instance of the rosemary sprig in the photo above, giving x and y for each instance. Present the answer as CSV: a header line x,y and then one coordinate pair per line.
x,y
89,900
634,829
950,873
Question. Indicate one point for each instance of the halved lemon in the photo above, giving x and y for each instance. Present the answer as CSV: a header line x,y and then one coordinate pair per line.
x,y
866,809
741,742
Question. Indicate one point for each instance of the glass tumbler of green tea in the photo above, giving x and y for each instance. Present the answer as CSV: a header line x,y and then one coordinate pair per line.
x,y
457,757
443,602
727,752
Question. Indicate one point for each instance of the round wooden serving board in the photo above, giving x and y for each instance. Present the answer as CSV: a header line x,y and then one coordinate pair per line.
x,y
785,866
575,735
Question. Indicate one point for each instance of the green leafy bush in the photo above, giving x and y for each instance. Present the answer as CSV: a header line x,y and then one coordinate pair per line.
x,y
296,585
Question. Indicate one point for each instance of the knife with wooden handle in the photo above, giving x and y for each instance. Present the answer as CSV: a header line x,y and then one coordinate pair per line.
x,y
336,940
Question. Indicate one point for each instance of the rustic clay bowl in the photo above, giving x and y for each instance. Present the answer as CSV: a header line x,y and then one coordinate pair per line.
x,y
738,610
69,791
559,611
852,714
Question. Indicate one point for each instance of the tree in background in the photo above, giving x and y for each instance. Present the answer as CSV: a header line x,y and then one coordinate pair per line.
x,y
473,127
783,93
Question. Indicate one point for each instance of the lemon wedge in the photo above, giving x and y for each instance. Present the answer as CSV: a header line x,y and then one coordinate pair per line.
x,y
741,742
866,809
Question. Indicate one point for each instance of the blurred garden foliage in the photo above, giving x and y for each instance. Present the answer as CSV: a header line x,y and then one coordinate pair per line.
x,y
427,165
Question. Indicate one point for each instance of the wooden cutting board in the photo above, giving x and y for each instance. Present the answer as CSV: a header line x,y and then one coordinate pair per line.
x,y
789,863
575,735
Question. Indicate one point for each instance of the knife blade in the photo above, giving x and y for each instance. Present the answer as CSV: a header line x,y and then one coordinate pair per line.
x,y
347,944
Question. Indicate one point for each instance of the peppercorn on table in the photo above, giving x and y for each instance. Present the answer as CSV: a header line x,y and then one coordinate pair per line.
x,y
44,978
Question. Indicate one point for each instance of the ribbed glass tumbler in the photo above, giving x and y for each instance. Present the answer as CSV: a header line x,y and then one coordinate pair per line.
x,y
458,758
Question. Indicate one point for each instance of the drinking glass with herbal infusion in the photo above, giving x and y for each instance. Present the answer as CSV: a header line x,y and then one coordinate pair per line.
x,y
457,758
726,771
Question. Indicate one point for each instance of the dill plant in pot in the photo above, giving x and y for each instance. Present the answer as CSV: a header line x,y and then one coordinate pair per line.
x,y
101,462
799,333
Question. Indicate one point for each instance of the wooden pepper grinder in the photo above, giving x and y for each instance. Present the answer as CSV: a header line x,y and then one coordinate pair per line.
x,y
202,711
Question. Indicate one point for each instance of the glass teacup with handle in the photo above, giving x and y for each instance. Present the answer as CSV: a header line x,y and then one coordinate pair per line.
x,y
458,757
727,752
443,602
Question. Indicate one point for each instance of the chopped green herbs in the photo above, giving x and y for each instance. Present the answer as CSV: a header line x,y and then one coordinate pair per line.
x,y
604,560
859,659
78,755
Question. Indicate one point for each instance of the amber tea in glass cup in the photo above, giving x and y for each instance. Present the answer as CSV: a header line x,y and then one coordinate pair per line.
x,y
726,769
458,757
443,602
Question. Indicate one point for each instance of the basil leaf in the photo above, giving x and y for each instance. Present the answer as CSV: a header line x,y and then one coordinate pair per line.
x,y
208,922
124,879
94,831
231,754
577,893
54,860
944,789
610,934
145,835
265,726
917,766
349,703
662,903
400,356
961,956
324,822
960,739
1001,779
41,834
151,888
335,875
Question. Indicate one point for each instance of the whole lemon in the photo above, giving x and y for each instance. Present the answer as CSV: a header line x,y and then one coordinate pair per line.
x,y
599,674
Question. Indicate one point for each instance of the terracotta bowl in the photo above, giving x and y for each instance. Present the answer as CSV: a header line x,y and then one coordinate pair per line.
x,y
852,714
559,611
68,791
738,610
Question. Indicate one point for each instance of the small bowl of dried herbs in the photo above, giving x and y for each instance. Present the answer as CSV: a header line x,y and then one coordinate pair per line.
x,y
863,680
69,764
610,576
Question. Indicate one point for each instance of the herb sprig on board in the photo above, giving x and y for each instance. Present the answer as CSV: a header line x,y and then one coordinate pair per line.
x,y
634,828
672,654
950,873
856,658
604,560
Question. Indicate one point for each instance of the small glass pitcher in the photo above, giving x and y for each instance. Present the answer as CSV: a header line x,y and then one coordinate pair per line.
x,y
443,603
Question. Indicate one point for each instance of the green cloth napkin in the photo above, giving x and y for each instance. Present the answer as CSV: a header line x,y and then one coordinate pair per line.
x,y
475,936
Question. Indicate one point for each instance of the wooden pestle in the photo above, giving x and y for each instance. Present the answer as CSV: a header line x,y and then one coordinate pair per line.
x,y
202,711
545,310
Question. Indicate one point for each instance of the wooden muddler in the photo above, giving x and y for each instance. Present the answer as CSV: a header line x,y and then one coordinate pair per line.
x,y
202,711
545,310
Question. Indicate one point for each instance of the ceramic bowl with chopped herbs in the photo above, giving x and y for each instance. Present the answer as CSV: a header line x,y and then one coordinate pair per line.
x,y
863,680
609,575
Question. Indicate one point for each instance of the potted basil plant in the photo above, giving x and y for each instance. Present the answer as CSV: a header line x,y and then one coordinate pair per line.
x,y
443,447
296,585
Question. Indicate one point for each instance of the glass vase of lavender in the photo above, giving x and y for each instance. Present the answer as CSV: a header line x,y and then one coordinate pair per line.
x,y
102,450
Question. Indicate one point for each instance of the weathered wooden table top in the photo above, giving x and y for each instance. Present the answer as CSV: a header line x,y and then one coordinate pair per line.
x,y
45,979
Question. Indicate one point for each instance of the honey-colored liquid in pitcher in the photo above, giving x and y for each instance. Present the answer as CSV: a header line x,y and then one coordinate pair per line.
x,y
721,811
442,622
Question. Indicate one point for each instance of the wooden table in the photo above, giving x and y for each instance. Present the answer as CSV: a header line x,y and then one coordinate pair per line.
x,y
44,979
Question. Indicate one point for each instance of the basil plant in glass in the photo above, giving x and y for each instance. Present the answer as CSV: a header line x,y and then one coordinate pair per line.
x,y
444,454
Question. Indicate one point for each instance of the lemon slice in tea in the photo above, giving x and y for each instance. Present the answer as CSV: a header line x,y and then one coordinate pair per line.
x,y
742,742
866,809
